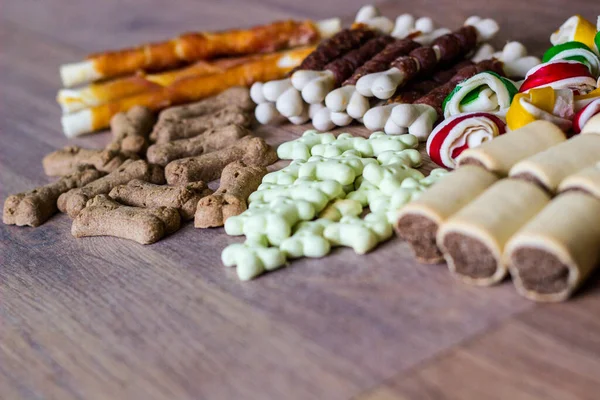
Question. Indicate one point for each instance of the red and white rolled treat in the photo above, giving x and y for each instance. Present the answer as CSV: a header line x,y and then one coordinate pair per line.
x,y
460,132
444,49
584,115
560,74
583,100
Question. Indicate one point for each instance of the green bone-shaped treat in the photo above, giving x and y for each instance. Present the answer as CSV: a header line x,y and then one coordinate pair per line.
x,y
343,169
341,144
300,149
272,220
388,178
252,258
318,193
307,240
366,193
409,157
340,208
379,142
360,234
284,176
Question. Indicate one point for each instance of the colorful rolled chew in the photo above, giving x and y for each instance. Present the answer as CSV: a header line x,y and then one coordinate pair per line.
x,y
560,74
268,67
192,47
551,256
549,167
419,117
587,180
577,29
502,153
575,51
460,132
419,221
473,239
544,103
585,114
72,100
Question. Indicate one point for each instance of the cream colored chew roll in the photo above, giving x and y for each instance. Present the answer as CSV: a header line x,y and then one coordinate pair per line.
x,y
587,180
551,166
499,155
557,250
473,239
419,220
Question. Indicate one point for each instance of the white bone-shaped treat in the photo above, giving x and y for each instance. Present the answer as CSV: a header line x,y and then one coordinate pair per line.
x,y
272,220
300,149
417,118
266,113
516,60
343,169
371,16
341,208
252,258
409,157
302,118
362,235
290,103
307,240
383,84
284,176
317,193
388,178
325,119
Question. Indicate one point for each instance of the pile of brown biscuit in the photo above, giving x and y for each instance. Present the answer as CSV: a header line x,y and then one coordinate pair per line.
x,y
154,173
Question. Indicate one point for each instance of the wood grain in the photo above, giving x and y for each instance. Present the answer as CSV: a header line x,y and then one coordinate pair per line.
x,y
102,318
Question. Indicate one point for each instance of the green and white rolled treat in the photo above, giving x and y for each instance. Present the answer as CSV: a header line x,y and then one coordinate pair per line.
x,y
574,51
484,92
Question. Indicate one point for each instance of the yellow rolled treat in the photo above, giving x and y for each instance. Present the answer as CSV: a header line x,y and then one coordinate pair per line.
x,y
592,126
473,239
499,155
545,103
557,250
548,168
419,220
575,29
587,180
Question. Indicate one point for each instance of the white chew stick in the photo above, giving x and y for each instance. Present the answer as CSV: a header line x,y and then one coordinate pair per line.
x,y
78,123
77,73
316,90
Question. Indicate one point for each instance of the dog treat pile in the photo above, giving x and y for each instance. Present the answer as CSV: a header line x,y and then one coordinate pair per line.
x,y
527,202
122,190
317,201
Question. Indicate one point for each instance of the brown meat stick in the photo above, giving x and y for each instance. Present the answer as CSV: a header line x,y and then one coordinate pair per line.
x,y
105,217
63,161
35,207
131,130
186,128
73,201
211,140
238,181
143,194
236,96
208,167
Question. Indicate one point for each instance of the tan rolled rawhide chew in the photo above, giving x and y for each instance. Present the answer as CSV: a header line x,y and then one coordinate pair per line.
x,y
208,167
501,154
211,140
36,206
105,217
238,181
592,126
63,161
419,220
139,193
131,130
549,167
190,127
73,201
473,239
551,256
587,180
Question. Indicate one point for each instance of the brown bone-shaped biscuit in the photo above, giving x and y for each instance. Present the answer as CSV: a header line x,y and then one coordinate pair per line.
x,y
238,181
211,140
63,161
143,194
208,167
131,130
36,206
105,217
73,201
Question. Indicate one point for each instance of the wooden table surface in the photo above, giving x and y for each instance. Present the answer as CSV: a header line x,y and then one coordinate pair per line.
x,y
103,318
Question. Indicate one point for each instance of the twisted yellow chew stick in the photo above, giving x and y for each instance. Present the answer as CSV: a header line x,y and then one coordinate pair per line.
x,y
265,68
